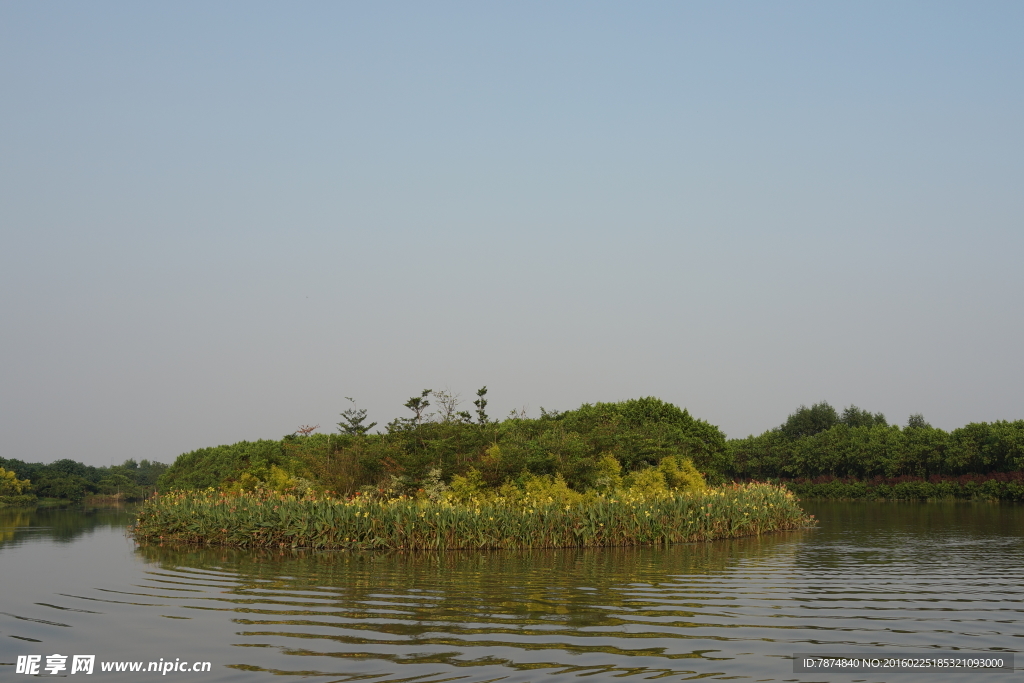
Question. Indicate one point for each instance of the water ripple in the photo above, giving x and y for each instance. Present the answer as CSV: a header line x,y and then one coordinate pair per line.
x,y
874,578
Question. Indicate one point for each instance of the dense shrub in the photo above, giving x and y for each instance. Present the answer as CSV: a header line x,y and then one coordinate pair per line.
x,y
219,465
637,434
10,485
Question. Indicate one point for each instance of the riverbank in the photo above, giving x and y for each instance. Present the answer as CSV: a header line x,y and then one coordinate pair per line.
x,y
271,520
31,501
19,501
1007,486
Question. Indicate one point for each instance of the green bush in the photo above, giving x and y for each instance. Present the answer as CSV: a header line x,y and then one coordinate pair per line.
x,y
636,434
10,485
222,465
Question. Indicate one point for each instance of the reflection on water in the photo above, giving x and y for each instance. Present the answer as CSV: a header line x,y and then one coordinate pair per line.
x,y
62,524
12,521
874,577
565,610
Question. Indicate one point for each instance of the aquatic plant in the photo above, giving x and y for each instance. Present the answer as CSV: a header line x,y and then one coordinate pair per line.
x,y
510,519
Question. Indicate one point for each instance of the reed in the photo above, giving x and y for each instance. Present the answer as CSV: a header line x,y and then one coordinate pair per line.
x,y
267,520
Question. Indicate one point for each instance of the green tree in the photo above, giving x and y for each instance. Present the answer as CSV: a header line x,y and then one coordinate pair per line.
x,y
855,417
824,452
149,472
119,485
810,421
215,466
761,457
71,487
69,468
418,405
917,421
10,485
352,420
973,448
481,404
1010,437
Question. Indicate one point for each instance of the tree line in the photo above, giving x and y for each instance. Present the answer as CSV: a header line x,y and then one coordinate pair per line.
x,y
72,481
437,440
819,441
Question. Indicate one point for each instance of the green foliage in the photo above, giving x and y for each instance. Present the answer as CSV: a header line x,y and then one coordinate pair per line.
x,y
223,465
602,447
995,486
72,481
117,484
434,487
855,417
418,405
344,463
545,489
810,421
274,479
671,476
680,474
481,405
69,487
648,483
352,420
641,432
69,468
17,501
607,474
10,485
464,488
862,445
577,446
917,420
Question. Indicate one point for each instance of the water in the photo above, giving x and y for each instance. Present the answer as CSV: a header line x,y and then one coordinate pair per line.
x,y
874,578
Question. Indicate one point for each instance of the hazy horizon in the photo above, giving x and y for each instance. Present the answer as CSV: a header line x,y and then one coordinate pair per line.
x,y
220,220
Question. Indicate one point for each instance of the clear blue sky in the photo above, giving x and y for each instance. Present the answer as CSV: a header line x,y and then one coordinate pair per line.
x,y
219,219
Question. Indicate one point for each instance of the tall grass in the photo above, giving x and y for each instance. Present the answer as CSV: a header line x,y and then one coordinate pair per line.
x,y
266,520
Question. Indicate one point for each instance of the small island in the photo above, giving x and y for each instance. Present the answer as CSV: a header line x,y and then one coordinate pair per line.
x,y
637,472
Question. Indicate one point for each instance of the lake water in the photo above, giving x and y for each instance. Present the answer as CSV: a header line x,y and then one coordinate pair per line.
x,y
873,578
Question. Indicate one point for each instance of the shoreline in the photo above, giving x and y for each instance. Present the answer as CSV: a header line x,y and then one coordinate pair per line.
x,y
1001,486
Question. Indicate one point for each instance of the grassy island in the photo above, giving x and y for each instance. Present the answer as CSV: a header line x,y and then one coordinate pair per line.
x,y
637,472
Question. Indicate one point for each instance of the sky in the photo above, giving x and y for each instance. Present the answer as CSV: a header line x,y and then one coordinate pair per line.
x,y
218,220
